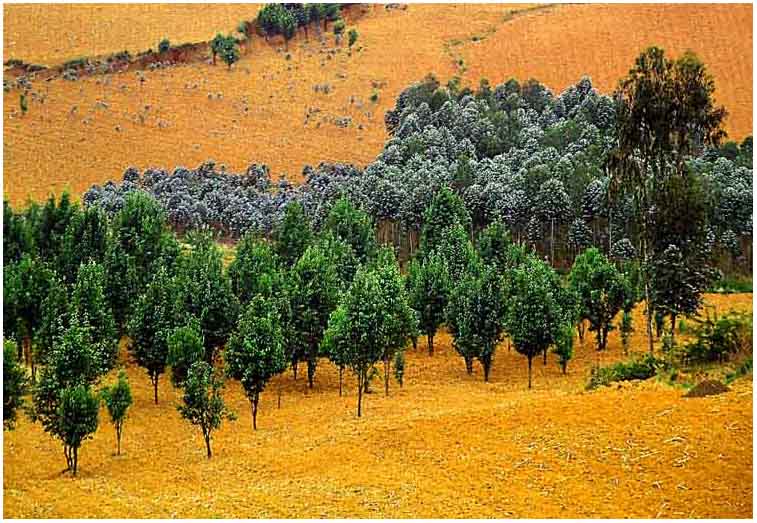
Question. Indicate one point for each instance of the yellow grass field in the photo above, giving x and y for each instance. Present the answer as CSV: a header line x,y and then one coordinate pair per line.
x,y
446,445
89,131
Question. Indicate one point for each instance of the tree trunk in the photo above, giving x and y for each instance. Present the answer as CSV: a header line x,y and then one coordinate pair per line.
x,y
76,459
311,372
487,364
672,329
255,399
545,355
648,310
468,365
430,337
581,331
119,427
279,396
360,381
529,370
415,343
564,365
294,369
154,379
387,366
552,243
207,443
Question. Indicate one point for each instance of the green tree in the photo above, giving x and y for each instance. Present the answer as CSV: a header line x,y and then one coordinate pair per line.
x,y
402,321
49,224
185,346
354,227
360,329
85,239
25,286
338,29
665,111
17,235
446,210
287,27
475,317
314,292
680,270
331,13
255,352
601,291
164,46
149,324
140,243
229,50
216,45
203,290
89,303
117,399
15,385
341,256
429,290
352,37
78,419
254,270
564,346
23,104
493,245
533,315
62,400
457,252
203,404
293,235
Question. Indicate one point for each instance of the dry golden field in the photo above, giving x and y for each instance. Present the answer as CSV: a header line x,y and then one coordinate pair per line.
x,y
89,131
446,445
50,34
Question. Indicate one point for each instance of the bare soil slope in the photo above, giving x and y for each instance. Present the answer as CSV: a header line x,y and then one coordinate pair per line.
x,y
446,445
89,131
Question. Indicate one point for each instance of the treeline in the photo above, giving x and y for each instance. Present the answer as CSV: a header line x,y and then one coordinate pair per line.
x,y
539,163
77,281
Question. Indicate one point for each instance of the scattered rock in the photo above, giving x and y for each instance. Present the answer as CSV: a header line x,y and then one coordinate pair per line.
x,y
706,388
322,88
342,121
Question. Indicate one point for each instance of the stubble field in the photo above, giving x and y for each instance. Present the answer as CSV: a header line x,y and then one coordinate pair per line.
x,y
446,445
89,131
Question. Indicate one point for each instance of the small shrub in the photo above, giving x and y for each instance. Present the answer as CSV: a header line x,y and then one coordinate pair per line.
x,y
77,414
744,369
352,37
636,369
15,385
374,96
118,400
399,367
718,340
203,404
164,46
